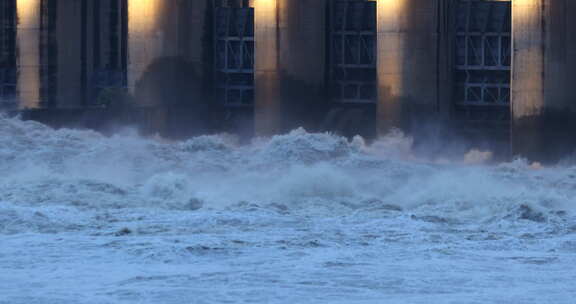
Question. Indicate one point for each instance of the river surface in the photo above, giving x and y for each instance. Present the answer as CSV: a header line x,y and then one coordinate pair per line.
x,y
298,218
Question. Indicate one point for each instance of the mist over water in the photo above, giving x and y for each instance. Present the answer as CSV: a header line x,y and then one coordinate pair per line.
x,y
300,217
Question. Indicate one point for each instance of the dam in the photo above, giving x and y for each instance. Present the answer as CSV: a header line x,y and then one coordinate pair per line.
x,y
491,70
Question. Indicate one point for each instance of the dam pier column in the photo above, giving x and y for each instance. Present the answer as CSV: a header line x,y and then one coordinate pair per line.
x,y
302,63
267,103
543,94
28,41
166,48
51,42
413,68
289,64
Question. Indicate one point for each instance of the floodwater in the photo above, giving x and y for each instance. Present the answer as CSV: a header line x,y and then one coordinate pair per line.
x,y
298,218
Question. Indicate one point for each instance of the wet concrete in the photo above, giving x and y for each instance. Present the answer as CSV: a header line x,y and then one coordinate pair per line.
x,y
547,138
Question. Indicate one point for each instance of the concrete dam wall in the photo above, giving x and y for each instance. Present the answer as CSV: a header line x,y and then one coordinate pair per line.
x,y
486,70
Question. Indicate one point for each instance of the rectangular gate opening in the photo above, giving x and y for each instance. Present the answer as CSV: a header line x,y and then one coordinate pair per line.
x,y
8,60
109,50
48,53
483,59
352,38
234,53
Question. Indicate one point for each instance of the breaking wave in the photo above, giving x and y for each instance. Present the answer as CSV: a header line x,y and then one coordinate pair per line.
x,y
296,218
297,173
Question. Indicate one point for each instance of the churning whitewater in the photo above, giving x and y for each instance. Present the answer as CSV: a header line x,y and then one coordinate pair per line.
x,y
298,218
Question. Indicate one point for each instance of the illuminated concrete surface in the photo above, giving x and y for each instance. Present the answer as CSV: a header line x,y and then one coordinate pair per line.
x,y
267,102
290,69
160,30
28,39
528,65
413,56
167,43
543,95
302,62
146,37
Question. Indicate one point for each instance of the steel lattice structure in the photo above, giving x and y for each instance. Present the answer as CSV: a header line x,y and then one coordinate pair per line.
x,y
353,51
8,66
234,53
483,54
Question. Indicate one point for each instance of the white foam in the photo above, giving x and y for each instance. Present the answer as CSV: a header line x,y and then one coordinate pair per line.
x,y
290,218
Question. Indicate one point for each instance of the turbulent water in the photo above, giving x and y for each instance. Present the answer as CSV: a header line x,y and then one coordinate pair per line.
x,y
298,218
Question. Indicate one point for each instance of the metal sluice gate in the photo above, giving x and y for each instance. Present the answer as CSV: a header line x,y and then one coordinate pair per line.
x,y
234,53
483,59
8,58
352,39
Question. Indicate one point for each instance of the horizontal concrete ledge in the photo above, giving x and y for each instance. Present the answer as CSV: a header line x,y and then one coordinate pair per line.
x,y
547,138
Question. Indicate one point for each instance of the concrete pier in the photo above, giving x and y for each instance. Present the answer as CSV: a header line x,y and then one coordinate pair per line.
x,y
267,102
413,62
302,62
28,40
165,32
543,95
167,45
290,48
